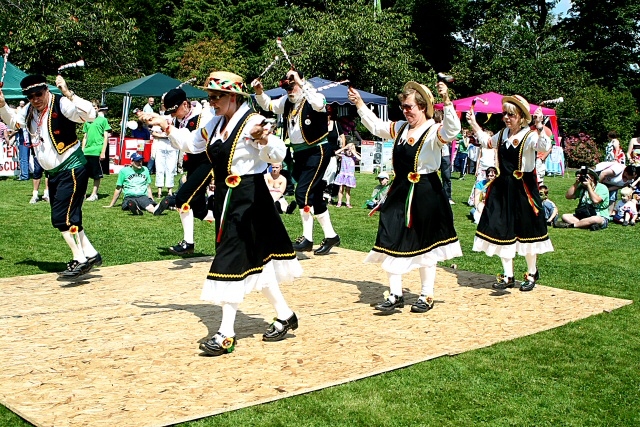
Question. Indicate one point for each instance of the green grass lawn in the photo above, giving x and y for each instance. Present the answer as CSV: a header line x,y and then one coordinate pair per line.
x,y
586,373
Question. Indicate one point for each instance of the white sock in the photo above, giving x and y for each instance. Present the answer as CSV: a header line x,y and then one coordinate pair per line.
x,y
45,195
229,311
187,225
75,247
275,297
507,265
307,225
395,286
325,223
531,263
35,193
87,248
428,279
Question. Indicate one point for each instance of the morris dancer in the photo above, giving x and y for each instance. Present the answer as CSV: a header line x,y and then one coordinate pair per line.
x,y
513,217
253,251
51,122
416,222
305,123
192,193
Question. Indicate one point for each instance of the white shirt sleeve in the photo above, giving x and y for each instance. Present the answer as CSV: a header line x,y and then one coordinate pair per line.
x,y
77,110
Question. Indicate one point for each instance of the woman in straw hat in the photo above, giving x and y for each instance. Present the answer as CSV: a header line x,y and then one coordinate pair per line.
x,y
416,223
513,217
253,250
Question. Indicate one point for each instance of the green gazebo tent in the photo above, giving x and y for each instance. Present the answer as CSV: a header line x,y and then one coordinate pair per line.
x,y
11,88
153,85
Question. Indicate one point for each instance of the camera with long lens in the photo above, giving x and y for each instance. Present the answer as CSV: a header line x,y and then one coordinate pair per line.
x,y
583,174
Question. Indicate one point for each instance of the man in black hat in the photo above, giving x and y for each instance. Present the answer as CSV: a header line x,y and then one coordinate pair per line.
x,y
94,146
198,168
305,124
51,121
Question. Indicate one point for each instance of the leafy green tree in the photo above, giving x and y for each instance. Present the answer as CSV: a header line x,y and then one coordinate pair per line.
x,y
607,32
250,24
348,42
44,34
202,57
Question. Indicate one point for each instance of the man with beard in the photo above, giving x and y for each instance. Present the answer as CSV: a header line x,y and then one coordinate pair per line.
x,y
305,124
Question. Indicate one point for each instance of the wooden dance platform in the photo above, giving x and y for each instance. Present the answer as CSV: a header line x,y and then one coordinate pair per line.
x,y
120,347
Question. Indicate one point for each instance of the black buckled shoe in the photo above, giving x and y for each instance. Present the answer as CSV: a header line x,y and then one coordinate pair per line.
x,y
218,345
95,261
162,206
75,269
503,282
302,245
387,305
423,304
327,244
529,281
182,248
278,329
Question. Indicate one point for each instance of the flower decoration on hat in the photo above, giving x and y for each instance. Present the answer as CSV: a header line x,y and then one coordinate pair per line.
x,y
226,82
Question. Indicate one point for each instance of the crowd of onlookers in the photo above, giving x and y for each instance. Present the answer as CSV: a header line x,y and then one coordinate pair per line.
x,y
608,192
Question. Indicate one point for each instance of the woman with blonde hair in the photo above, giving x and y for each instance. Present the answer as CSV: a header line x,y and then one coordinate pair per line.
x,y
513,218
416,222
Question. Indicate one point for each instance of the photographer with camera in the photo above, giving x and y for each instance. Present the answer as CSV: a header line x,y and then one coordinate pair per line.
x,y
592,211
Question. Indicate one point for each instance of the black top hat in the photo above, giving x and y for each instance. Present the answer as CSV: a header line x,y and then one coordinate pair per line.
x,y
174,99
33,83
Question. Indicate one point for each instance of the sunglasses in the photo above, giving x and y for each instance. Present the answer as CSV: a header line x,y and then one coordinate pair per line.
x,y
217,97
287,84
509,114
35,94
407,107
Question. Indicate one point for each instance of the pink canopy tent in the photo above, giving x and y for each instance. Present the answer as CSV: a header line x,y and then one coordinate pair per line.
x,y
491,103
494,106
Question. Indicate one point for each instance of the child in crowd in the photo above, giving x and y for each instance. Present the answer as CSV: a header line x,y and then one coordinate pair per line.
x,y
277,184
346,179
379,192
626,210
480,193
550,208
211,189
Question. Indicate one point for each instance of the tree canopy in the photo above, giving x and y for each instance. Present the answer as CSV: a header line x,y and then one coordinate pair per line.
x,y
590,56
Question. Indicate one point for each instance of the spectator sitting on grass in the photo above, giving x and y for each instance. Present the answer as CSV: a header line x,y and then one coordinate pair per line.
x,y
592,211
379,192
136,183
550,208
480,193
626,210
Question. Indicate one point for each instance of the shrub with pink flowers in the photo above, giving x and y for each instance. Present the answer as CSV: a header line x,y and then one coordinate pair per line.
x,y
581,150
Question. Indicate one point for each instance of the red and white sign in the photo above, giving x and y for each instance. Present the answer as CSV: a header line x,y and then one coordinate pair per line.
x,y
9,163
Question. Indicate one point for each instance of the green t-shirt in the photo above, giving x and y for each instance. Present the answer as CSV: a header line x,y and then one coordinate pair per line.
x,y
134,182
462,145
601,190
95,135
